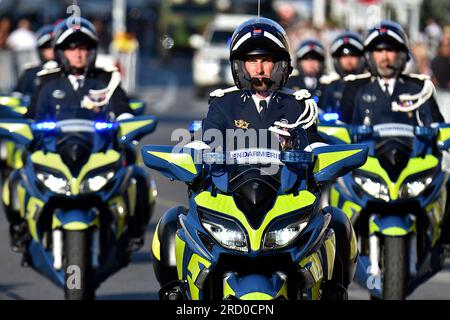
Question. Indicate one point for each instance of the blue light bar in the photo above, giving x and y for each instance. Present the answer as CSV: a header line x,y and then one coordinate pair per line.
x,y
195,126
330,116
45,126
297,156
103,126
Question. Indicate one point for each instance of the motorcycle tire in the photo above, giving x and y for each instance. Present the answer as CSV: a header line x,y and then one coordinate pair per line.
x,y
78,271
395,261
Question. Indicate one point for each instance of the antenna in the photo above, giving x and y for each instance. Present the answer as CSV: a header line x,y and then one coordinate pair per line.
x,y
259,8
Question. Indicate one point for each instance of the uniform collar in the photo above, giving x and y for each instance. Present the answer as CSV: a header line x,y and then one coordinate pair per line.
x,y
74,80
391,83
256,99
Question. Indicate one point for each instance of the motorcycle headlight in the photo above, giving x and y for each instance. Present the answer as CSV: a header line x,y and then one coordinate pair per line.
x,y
54,182
225,231
414,188
285,231
96,182
373,187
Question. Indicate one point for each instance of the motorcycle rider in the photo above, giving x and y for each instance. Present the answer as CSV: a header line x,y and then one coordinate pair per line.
x,y
310,61
386,94
67,89
27,81
347,51
260,68
74,88
260,62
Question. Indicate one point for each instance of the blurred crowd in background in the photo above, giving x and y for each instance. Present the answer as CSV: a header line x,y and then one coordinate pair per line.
x,y
162,28
430,51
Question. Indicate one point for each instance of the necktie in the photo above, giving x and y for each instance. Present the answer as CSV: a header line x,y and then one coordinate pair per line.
x,y
386,89
79,83
263,108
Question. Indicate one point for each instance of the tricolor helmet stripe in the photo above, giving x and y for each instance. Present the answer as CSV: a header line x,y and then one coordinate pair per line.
x,y
351,41
304,50
242,40
274,39
265,34
70,31
375,33
45,38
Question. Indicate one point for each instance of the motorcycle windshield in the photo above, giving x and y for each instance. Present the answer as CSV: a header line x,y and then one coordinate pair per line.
x,y
394,147
75,140
254,188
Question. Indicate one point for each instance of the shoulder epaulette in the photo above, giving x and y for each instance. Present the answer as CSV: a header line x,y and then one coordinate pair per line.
x,y
297,94
30,65
294,73
329,78
221,92
353,77
49,68
422,77
108,68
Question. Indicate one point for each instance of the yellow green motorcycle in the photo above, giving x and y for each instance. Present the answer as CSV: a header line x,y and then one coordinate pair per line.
x,y
81,198
396,202
252,231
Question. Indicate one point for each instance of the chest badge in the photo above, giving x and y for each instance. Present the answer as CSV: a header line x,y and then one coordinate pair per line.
x,y
241,124
58,94
369,98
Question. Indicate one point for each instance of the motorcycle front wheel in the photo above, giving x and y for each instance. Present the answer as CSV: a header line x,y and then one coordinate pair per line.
x,y
395,274
78,270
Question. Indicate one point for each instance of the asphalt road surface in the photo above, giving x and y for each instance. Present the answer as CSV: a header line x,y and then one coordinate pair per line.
x,y
169,93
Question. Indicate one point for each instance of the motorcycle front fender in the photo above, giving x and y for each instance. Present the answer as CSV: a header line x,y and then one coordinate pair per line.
x,y
75,220
391,225
255,287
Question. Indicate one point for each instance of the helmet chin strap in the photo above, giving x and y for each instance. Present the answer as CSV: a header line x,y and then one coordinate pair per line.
x,y
278,77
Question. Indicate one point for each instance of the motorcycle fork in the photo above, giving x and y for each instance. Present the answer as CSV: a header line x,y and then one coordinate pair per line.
x,y
58,248
375,250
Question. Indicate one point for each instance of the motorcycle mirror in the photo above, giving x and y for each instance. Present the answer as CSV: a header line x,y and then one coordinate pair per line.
x,y
182,164
16,130
136,128
443,137
297,159
335,161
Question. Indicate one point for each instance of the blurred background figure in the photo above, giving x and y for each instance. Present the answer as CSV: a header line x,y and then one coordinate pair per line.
x,y
440,65
28,79
22,38
420,62
347,51
310,65
104,35
5,29
22,41
434,33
